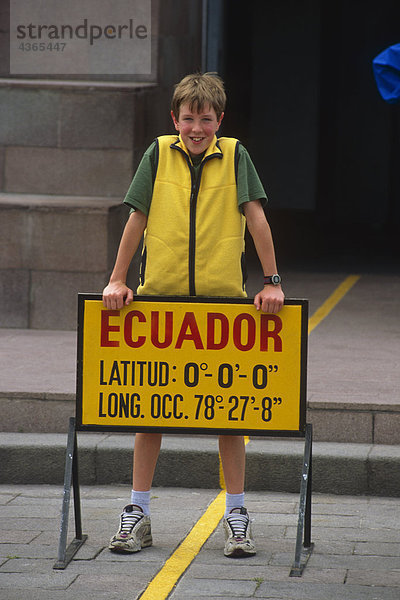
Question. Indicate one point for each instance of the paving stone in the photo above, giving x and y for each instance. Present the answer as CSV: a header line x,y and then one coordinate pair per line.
x,y
26,491
334,547
311,575
374,549
230,569
6,498
374,577
272,507
244,570
355,562
362,535
387,519
129,584
26,550
340,509
214,556
321,501
213,588
336,521
30,502
27,565
43,594
142,569
51,511
16,536
176,596
57,580
19,524
298,590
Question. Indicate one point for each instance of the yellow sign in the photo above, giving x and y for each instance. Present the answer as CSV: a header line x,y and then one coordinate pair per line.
x,y
191,364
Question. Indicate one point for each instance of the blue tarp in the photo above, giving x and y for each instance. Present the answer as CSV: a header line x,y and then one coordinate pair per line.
x,y
386,67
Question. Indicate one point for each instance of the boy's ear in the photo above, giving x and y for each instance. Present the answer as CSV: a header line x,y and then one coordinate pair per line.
x,y
174,120
220,119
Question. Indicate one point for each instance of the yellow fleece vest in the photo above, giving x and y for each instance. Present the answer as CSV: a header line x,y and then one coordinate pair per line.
x,y
194,240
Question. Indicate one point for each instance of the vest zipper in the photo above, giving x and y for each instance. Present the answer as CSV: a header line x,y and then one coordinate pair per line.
x,y
194,192
192,232
192,225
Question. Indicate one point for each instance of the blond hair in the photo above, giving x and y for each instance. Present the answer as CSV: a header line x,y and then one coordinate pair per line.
x,y
199,90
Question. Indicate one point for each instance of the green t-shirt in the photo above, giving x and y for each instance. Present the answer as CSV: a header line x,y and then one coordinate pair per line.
x,y
140,191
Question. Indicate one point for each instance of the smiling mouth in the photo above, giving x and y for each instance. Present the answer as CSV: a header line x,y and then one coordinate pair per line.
x,y
196,139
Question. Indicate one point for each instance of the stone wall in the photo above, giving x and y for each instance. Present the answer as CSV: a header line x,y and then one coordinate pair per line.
x,y
68,150
68,158
72,140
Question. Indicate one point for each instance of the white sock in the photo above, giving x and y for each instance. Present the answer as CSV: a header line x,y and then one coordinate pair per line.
x,y
141,499
233,501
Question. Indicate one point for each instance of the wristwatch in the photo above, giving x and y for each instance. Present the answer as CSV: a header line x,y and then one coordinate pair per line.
x,y
274,279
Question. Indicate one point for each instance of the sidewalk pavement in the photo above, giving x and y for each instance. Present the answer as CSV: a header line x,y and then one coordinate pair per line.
x,y
356,554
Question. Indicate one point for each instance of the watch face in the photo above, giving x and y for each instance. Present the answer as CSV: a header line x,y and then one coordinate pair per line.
x,y
275,279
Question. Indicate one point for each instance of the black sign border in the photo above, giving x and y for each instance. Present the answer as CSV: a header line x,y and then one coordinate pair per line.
x,y
300,432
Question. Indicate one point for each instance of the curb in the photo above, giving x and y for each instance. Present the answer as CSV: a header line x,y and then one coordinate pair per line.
x,y
192,462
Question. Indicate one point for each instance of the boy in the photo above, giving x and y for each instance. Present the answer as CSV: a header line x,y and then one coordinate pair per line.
x,y
191,195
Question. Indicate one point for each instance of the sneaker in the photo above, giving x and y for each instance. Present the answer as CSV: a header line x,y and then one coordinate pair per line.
x,y
238,534
134,531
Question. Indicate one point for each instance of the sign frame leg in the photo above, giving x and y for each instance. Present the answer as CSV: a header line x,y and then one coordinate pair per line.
x,y
304,546
71,477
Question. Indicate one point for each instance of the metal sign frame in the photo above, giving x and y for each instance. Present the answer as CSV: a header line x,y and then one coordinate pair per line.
x,y
304,546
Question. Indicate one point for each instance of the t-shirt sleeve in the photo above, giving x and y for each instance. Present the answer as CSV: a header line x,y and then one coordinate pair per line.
x,y
249,185
140,192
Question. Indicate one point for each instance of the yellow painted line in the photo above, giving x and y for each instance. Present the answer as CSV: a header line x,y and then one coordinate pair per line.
x,y
162,584
329,304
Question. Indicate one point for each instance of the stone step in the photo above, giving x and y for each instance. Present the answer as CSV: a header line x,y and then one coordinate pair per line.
x,y
52,248
272,464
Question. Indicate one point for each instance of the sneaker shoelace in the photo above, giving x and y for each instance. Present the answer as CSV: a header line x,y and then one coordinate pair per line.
x,y
238,524
128,521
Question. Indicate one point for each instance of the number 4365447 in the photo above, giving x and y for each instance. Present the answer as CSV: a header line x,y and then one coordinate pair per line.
x,y
42,46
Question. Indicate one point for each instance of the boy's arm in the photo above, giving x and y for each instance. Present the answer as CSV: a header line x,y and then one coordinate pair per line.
x,y
117,292
270,298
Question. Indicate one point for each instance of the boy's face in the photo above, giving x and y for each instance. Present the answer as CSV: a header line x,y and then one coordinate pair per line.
x,y
197,129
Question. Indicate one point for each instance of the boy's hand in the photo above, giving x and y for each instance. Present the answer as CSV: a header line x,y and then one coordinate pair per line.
x,y
270,299
116,294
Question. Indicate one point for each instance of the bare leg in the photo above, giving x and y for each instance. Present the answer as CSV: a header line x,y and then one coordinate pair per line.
x,y
145,455
232,451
